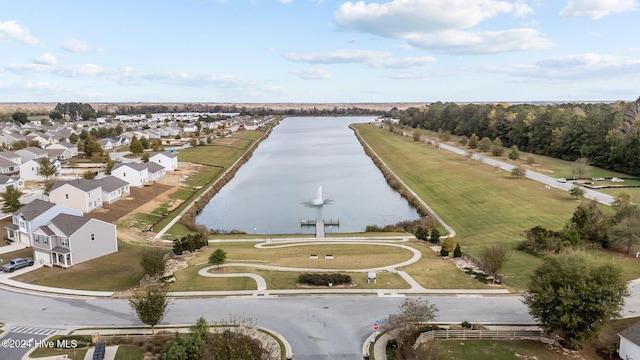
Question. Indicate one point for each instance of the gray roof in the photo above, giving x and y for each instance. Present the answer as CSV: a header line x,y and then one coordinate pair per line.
x,y
34,209
82,184
154,167
167,154
45,229
135,166
632,333
111,183
34,150
69,224
6,163
9,154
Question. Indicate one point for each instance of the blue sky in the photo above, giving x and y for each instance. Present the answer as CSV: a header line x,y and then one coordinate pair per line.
x,y
319,51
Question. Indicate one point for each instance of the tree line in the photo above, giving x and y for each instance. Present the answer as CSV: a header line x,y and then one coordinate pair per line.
x,y
608,134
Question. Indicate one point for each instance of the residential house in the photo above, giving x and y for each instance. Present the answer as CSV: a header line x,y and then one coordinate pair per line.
x,y
8,181
31,153
68,240
106,144
156,171
30,170
73,149
168,160
31,216
40,138
62,155
113,189
630,342
135,174
8,167
81,194
11,156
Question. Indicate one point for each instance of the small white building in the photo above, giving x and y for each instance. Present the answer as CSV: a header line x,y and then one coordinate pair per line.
x,y
135,174
630,343
29,170
169,160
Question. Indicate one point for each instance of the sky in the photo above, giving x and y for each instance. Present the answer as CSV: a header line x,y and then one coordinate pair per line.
x,y
319,51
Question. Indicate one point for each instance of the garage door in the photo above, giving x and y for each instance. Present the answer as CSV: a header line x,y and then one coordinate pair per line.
x,y
42,257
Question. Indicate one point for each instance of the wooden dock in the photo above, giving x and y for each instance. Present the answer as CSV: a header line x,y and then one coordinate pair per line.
x,y
320,225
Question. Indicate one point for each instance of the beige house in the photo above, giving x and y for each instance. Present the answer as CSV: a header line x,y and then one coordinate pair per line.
x,y
80,194
68,240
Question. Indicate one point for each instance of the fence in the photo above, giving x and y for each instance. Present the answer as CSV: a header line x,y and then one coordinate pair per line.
x,y
482,334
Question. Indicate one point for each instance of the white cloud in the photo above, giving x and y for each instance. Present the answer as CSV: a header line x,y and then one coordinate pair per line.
x,y
481,42
78,46
312,74
596,9
442,25
12,31
337,57
574,67
46,59
404,63
375,59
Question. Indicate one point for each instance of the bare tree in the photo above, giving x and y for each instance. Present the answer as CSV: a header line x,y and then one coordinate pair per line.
x,y
493,258
412,314
581,167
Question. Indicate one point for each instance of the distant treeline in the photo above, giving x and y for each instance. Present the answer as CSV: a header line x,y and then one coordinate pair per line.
x,y
606,134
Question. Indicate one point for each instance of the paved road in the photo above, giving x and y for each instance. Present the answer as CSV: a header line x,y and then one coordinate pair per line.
x,y
319,327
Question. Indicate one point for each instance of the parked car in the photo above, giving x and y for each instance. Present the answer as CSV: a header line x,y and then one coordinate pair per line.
x,y
562,180
16,264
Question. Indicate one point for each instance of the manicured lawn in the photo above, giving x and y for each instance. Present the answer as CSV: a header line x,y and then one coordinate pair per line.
x,y
118,271
482,204
498,350
430,271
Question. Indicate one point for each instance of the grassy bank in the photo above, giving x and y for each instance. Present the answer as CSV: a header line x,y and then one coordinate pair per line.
x,y
484,205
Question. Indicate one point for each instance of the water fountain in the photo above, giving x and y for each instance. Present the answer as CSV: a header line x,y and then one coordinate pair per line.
x,y
318,201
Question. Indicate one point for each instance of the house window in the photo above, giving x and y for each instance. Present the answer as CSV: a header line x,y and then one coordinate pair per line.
x,y
22,224
64,241
36,239
93,236
45,240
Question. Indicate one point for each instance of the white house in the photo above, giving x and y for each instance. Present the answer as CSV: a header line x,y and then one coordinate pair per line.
x,y
73,149
167,159
156,171
630,343
31,216
31,153
30,169
68,240
135,174
11,156
81,194
8,167
113,189
8,181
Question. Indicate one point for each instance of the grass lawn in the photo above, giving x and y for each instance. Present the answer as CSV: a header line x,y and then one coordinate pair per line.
x,y
113,272
430,271
482,204
498,350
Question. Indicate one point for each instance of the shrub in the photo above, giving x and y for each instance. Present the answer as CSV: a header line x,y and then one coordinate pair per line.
x,y
448,245
466,325
324,279
444,252
190,243
457,252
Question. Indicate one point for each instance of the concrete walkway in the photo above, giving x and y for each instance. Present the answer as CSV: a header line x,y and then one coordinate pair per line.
x,y
15,246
